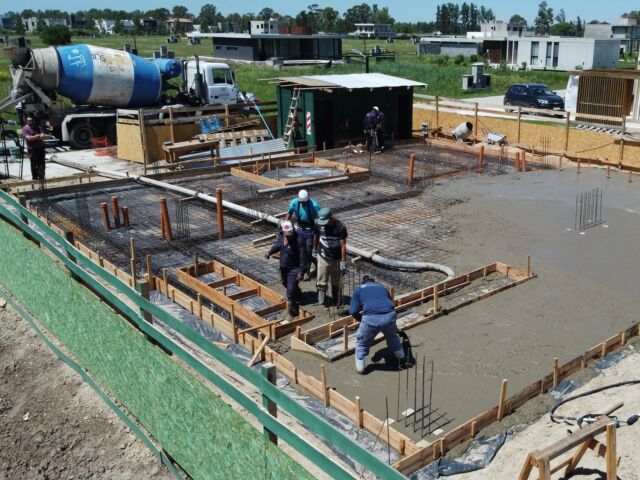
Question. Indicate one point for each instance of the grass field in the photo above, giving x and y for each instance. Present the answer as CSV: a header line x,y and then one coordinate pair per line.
x,y
443,80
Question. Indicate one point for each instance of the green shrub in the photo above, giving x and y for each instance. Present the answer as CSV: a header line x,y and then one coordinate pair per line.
x,y
473,58
56,35
458,59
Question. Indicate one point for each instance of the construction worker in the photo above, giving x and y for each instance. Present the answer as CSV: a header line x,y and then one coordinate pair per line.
x,y
330,250
372,306
34,136
304,212
291,248
373,129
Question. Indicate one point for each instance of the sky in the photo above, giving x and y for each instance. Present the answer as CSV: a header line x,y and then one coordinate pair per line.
x,y
401,10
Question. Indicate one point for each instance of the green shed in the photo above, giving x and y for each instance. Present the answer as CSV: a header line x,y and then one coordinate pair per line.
x,y
331,108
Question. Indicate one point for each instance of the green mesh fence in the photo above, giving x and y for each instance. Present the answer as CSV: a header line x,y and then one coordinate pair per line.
x,y
200,431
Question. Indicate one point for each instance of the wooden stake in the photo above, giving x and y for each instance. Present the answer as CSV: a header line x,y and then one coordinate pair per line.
x,y
578,169
323,381
481,156
436,306
503,394
358,419
195,264
611,455
125,216
556,372
630,176
523,161
517,162
220,218
233,323
519,123
150,272
474,428
528,265
567,125
608,171
258,351
603,349
164,220
412,161
345,338
105,216
115,210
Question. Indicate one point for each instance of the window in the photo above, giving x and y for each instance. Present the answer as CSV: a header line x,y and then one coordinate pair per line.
x,y
534,53
548,56
220,75
556,47
517,89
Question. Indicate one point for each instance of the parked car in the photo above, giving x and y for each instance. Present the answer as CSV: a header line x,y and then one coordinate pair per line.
x,y
533,95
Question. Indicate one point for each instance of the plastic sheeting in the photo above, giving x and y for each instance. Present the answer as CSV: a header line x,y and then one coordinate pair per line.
x,y
480,453
571,95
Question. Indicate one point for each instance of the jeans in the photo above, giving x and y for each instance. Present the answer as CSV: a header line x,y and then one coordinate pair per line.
x,y
370,326
37,161
307,235
289,278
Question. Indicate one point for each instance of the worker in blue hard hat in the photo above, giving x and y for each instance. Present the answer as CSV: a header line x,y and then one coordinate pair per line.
x,y
293,264
330,250
372,305
303,211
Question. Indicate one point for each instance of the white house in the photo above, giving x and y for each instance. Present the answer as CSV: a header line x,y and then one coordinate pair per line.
x,y
562,53
107,27
265,27
31,23
373,30
627,31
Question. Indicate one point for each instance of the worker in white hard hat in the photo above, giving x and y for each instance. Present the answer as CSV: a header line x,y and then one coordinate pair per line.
x,y
293,264
304,212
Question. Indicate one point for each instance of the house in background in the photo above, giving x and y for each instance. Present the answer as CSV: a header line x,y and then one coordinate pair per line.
x,y
501,43
31,23
249,47
179,24
626,31
373,30
272,26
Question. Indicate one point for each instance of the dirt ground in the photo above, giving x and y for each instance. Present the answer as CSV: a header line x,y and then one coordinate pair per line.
x,y
542,433
52,424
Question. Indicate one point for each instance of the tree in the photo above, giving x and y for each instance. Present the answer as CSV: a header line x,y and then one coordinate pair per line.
x,y
19,26
381,15
357,14
561,17
564,29
179,11
633,14
579,27
55,35
160,14
518,21
265,14
544,20
329,19
27,13
209,17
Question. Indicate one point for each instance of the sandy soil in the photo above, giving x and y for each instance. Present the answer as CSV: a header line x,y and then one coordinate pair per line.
x,y
52,424
510,458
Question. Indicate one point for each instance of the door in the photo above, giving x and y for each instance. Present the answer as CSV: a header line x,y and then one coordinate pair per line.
x,y
405,117
324,124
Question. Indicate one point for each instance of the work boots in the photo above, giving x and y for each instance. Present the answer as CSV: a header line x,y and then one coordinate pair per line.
x,y
292,311
335,296
321,296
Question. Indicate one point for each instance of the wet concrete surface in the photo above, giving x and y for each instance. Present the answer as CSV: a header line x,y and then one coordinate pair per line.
x,y
585,291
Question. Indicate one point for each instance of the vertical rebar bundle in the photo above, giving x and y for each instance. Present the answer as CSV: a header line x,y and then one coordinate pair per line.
x,y
588,209
183,231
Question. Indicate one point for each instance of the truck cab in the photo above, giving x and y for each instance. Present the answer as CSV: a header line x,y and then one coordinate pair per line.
x,y
218,85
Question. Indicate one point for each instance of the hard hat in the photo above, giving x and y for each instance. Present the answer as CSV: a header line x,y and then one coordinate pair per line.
x,y
303,195
376,109
287,227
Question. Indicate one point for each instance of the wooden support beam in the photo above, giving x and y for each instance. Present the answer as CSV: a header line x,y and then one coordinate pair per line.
x,y
501,403
259,351
325,389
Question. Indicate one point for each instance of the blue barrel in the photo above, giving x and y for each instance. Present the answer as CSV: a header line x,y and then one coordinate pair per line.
x,y
169,67
103,76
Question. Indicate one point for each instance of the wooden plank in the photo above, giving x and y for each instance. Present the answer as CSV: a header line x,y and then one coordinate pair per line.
x,y
268,182
258,351
302,346
223,282
252,292
271,309
572,441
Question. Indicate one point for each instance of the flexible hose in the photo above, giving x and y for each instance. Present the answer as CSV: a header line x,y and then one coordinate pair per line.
x,y
557,418
372,256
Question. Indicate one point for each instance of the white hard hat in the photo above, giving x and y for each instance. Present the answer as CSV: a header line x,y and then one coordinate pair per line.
x,y
287,227
303,195
376,109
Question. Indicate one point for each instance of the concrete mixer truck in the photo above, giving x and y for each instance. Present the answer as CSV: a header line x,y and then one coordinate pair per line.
x,y
99,80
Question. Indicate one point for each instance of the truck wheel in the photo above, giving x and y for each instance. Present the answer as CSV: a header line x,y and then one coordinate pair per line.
x,y
81,135
110,132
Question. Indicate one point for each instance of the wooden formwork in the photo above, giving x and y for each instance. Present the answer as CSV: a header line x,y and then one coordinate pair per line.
x,y
346,326
414,456
216,292
253,172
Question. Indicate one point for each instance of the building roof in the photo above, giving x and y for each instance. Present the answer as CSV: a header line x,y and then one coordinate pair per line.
x,y
179,20
351,81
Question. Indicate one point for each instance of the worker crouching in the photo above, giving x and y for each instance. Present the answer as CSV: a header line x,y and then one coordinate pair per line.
x,y
372,305
291,248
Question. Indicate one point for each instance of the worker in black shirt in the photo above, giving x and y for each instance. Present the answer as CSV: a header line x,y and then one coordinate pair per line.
x,y
330,249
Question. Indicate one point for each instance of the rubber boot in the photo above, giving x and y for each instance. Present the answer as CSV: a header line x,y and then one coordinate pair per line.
x,y
292,311
335,296
361,365
321,296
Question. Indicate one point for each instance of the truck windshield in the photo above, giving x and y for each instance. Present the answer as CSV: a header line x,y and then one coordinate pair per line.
x,y
221,75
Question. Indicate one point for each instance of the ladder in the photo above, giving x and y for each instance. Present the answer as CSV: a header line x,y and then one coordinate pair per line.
x,y
291,117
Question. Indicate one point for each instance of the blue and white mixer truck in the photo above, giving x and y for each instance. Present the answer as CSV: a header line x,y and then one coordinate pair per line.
x,y
99,80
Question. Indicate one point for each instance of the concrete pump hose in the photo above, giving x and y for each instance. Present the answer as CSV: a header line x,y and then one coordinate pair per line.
x,y
374,257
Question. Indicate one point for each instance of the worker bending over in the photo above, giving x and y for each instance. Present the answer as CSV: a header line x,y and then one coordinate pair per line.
x,y
330,250
291,248
304,211
372,305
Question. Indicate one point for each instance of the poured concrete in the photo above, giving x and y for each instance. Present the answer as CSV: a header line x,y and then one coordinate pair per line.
x,y
586,291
